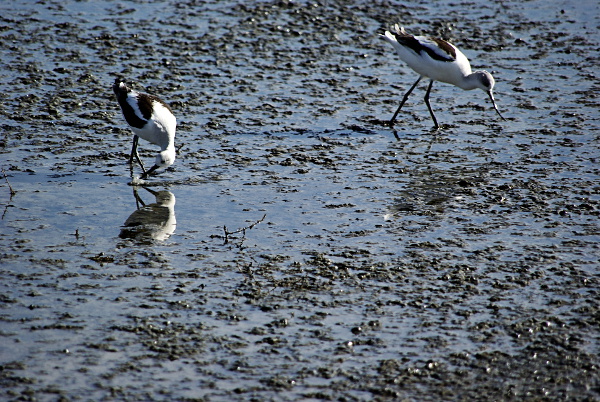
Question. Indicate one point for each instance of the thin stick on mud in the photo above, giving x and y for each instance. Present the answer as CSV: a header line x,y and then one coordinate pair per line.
x,y
12,191
241,230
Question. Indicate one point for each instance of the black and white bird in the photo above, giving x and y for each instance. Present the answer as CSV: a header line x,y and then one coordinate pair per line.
x,y
151,119
437,60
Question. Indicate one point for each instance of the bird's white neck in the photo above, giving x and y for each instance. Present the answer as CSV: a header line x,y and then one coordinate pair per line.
x,y
477,80
469,82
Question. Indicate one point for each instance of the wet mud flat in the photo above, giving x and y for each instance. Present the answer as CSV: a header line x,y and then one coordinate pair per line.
x,y
298,248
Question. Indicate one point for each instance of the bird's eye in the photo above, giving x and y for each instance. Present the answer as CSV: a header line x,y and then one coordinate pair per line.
x,y
486,81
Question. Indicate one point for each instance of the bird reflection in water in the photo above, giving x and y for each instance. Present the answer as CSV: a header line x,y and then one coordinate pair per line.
x,y
152,222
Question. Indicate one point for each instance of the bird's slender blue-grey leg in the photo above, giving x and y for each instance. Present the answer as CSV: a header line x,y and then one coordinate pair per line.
x,y
134,153
403,101
429,106
133,148
140,162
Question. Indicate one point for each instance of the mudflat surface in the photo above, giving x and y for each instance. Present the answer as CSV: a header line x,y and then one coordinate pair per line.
x,y
299,249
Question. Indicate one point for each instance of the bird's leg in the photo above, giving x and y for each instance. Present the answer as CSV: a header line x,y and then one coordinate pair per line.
x,y
147,172
140,162
403,101
133,149
437,126
134,153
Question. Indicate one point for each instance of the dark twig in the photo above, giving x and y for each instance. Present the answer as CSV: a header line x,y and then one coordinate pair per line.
x,y
241,230
12,191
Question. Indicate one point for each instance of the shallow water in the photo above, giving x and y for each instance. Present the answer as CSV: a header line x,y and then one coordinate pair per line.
x,y
317,254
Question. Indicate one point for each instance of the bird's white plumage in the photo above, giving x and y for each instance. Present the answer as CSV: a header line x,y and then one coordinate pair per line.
x,y
151,119
160,128
437,60
451,72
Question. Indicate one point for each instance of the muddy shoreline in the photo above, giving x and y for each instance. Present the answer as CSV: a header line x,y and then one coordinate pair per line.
x,y
317,254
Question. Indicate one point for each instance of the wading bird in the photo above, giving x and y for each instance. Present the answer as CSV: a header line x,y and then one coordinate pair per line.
x,y
151,119
437,60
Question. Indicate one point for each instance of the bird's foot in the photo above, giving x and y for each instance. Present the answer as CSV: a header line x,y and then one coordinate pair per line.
x,y
147,172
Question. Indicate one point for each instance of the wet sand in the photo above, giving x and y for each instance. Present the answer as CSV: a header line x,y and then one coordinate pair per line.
x,y
299,249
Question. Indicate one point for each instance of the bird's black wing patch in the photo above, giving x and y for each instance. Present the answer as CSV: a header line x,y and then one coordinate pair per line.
x,y
416,46
122,93
132,118
446,47
146,102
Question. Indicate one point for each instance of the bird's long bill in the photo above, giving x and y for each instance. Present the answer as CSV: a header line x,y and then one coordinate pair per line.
x,y
494,103
147,172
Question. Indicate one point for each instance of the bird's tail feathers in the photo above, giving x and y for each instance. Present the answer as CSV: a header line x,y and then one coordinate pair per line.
x,y
394,31
120,87
398,29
